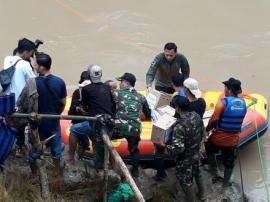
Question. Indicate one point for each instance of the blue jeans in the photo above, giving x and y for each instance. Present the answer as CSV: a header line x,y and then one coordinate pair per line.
x,y
54,143
84,130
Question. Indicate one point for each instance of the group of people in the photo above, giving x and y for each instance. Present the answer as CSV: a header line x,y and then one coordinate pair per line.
x,y
38,90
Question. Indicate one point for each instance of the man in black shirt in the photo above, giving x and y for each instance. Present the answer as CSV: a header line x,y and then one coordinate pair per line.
x,y
193,93
98,100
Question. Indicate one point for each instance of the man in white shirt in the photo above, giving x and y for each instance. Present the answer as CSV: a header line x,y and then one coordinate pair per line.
x,y
24,71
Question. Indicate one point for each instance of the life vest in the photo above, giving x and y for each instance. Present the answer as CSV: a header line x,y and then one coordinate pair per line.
x,y
7,104
7,139
232,117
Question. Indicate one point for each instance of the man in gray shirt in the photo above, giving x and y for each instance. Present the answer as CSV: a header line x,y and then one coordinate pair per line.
x,y
164,66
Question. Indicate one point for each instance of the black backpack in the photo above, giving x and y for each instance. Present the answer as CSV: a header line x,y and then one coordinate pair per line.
x,y
6,75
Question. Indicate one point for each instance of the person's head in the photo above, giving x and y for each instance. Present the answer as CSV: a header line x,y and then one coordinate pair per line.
x,y
84,79
232,87
170,50
127,80
95,73
26,48
181,104
178,80
192,88
43,62
112,84
84,76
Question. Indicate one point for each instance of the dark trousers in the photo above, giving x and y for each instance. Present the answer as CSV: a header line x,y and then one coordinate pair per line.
x,y
20,137
228,154
168,90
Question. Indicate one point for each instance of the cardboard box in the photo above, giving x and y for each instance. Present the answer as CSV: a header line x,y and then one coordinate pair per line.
x,y
166,110
206,117
162,128
157,99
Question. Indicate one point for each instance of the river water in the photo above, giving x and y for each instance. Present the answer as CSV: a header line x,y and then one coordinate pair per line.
x,y
220,39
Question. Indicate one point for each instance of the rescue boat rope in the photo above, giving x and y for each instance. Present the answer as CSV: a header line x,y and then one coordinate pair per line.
x,y
262,166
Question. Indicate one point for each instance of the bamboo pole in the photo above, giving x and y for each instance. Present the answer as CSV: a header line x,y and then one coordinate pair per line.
x,y
123,168
36,116
106,165
118,160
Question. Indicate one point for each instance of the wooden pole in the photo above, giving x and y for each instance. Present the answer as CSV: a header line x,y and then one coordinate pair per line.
x,y
36,116
123,168
106,165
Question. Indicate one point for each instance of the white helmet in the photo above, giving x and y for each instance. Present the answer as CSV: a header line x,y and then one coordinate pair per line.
x,y
95,73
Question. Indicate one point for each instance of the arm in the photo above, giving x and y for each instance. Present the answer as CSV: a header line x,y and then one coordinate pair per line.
x,y
146,110
74,103
151,73
185,70
177,145
63,101
28,72
216,115
63,97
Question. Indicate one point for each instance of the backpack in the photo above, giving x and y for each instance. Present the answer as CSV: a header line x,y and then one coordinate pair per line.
x,y
6,75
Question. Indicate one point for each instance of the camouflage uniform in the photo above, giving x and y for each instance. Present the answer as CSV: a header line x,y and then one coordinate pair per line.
x,y
129,106
185,145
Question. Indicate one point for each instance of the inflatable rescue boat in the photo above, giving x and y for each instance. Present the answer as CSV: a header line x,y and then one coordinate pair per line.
x,y
255,123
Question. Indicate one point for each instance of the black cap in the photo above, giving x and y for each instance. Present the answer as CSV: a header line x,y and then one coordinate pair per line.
x,y
182,102
84,76
129,78
234,85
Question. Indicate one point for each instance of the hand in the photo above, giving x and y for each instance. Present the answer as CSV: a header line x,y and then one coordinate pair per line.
x,y
81,110
159,142
148,89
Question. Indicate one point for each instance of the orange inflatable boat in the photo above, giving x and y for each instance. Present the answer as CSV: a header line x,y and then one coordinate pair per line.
x,y
255,122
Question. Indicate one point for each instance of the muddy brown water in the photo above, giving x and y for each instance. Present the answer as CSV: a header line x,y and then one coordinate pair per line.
x,y
219,38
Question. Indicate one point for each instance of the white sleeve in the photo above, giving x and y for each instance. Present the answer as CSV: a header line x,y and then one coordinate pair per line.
x,y
28,72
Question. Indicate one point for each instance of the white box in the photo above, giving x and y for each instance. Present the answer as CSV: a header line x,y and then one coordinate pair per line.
x,y
166,110
162,128
157,99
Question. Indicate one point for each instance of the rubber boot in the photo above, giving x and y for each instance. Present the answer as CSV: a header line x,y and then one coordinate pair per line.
x,y
189,192
213,168
135,164
159,165
201,187
227,177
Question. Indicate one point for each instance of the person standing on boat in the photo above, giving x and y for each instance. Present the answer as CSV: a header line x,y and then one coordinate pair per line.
x,y
185,146
129,106
225,124
98,100
164,66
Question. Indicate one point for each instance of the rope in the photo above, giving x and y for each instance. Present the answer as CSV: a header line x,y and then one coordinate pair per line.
x,y
241,176
262,167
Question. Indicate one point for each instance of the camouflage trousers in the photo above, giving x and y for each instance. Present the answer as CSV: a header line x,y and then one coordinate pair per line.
x,y
186,171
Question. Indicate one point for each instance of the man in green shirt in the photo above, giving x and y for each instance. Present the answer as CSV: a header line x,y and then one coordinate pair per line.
x,y
164,66
129,106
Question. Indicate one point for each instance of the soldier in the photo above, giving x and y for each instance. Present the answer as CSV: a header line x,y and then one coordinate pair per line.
x,y
129,106
164,66
185,145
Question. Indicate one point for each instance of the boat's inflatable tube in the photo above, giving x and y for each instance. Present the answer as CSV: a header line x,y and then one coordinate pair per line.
x,y
7,139
255,121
